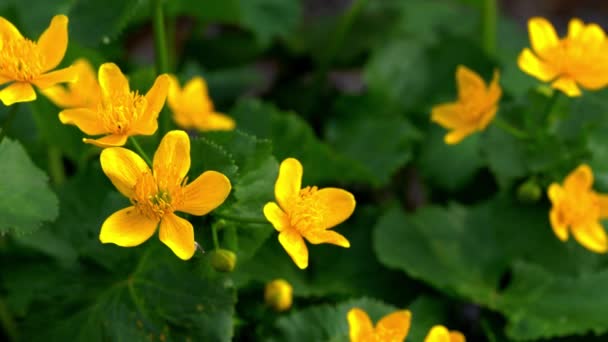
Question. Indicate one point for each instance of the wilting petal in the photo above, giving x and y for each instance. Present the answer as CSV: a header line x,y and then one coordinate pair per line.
x,y
326,236
172,157
207,192
567,85
8,30
336,204
457,135
592,236
108,141
397,323
360,326
112,81
542,35
85,119
448,115
178,234
123,167
216,122
293,243
470,85
533,66
68,74
276,216
155,99
289,181
127,228
579,180
558,224
53,42
17,92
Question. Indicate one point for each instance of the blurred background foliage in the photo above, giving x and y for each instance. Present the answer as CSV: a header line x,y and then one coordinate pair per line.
x,y
346,87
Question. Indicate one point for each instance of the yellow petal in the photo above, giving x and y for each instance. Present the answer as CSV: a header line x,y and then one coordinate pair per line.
x,y
575,27
559,226
127,228
107,141
457,336
593,79
494,90
207,192
155,99
457,135
359,325
337,205
579,180
123,167
448,115
68,74
85,119
555,192
326,236
172,157
17,92
289,181
276,216
486,117
470,84
603,201
533,66
438,333
567,86
592,236
542,35
592,37
112,81
397,323
196,86
177,234
196,96
61,97
8,30
53,42
216,122
173,93
293,243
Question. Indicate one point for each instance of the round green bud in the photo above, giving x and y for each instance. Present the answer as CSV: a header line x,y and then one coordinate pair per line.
x,y
223,260
529,191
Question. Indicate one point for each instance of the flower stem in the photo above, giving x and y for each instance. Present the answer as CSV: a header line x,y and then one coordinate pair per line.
x,y
55,163
488,29
141,152
507,127
161,51
240,219
7,123
216,241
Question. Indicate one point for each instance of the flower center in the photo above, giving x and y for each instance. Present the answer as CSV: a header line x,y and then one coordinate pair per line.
x,y
120,110
154,199
20,59
580,208
306,214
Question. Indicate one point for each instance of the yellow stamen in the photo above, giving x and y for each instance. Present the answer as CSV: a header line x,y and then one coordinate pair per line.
x,y
121,110
155,199
20,59
305,212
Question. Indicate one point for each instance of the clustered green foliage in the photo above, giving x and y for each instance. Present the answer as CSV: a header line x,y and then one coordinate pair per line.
x,y
449,232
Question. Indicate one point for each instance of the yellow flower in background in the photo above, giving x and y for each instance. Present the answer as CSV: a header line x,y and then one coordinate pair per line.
x,y
473,111
439,333
581,58
85,92
24,63
193,109
121,112
278,294
578,208
391,328
306,213
156,194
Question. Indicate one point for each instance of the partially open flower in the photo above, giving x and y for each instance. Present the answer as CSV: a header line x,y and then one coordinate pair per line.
x,y
85,92
391,328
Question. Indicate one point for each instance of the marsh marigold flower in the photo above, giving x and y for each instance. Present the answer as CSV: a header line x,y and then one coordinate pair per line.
x,y
121,113
84,92
391,328
24,63
473,111
157,194
578,208
193,109
278,294
581,58
439,333
306,213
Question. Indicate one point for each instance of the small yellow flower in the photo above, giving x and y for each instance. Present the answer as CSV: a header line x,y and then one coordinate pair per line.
x,y
157,194
581,58
193,109
278,295
577,206
475,108
121,112
306,213
24,63
391,328
439,333
85,92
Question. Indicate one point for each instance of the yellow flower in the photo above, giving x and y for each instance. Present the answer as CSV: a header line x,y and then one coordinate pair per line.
x,y
24,62
391,328
475,108
577,206
193,109
279,295
581,58
439,333
306,213
85,92
121,112
157,194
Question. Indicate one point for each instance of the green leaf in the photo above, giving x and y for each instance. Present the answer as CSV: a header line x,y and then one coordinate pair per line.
x,y
504,154
270,18
25,197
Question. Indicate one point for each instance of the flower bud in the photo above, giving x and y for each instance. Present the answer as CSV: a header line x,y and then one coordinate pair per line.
x,y
223,260
529,191
278,295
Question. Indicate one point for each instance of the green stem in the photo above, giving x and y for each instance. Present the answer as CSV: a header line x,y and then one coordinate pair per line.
x,y
161,52
216,241
7,321
56,167
488,29
7,123
487,329
240,219
550,104
141,152
507,127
